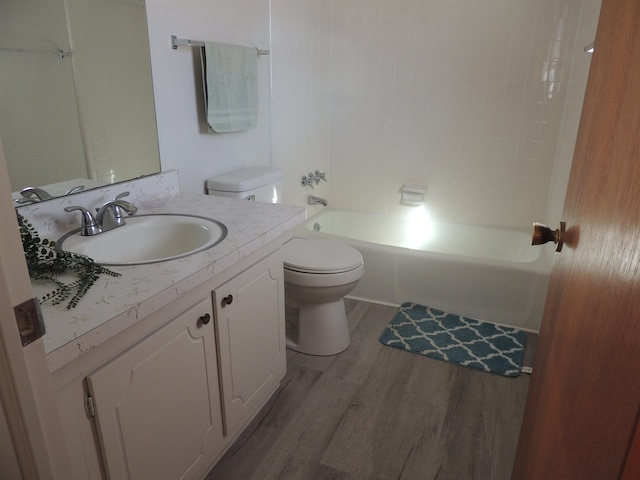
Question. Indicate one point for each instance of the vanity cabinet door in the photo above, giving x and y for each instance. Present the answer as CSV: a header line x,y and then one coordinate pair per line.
x,y
157,405
249,313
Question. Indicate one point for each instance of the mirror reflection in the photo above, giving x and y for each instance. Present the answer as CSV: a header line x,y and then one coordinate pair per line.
x,y
84,117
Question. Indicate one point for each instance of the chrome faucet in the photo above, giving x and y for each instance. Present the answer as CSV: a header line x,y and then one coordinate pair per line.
x,y
33,194
108,216
111,214
77,188
89,225
313,200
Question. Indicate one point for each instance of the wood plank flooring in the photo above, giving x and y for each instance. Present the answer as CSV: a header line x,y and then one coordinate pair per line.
x,y
378,413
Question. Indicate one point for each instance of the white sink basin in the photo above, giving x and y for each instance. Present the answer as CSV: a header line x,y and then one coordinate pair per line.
x,y
147,239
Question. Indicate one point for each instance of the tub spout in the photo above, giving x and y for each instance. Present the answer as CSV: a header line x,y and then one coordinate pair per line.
x,y
313,200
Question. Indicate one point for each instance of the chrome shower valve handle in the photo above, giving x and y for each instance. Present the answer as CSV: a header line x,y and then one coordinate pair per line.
x,y
309,180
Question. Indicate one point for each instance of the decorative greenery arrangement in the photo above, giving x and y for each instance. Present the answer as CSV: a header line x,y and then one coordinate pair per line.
x,y
47,263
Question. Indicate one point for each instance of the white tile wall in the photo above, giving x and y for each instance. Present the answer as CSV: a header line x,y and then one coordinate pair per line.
x,y
466,97
573,107
300,89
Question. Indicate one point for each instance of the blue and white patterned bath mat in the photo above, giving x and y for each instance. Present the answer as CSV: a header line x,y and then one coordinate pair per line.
x,y
455,339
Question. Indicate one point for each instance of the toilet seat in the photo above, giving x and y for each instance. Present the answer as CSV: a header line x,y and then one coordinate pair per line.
x,y
320,256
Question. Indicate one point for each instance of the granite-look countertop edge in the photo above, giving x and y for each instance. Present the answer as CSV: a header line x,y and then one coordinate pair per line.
x,y
114,304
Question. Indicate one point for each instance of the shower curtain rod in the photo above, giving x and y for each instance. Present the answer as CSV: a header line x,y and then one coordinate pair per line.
x,y
61,53
183,42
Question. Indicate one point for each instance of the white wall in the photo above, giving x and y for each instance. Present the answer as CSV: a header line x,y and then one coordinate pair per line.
x,y
184,141
466,97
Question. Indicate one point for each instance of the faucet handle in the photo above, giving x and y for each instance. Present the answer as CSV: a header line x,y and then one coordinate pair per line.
x,y
77,188
307,181
118,214
89,225
111,214
320,176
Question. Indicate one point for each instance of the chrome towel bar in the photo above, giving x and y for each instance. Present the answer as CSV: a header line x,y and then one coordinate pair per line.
x,y
184,42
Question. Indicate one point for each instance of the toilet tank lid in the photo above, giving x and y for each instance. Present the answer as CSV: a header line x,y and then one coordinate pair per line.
x,y
245,179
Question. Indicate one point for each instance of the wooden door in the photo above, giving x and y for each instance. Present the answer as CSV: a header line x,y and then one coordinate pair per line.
x,y
27,398
584,395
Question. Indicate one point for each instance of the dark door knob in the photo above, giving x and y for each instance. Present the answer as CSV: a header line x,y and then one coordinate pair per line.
x,y
542,234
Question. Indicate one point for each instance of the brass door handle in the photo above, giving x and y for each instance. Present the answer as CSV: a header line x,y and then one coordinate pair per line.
x,y
542,234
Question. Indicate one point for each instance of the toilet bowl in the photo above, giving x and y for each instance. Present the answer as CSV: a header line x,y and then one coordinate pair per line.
x,y
317,276
317,273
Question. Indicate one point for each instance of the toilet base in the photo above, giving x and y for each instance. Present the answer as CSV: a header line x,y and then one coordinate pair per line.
x,y
317,328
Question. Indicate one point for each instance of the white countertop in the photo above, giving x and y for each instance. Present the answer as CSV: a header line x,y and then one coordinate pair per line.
x,y
113,304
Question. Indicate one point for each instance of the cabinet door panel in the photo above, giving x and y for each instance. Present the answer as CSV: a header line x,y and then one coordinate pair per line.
x,y
251,339
158,405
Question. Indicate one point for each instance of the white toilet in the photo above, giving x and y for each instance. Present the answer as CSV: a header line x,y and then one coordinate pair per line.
x,y
317,273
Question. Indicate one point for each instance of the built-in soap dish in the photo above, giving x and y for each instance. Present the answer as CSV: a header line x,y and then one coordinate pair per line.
x,y
412,195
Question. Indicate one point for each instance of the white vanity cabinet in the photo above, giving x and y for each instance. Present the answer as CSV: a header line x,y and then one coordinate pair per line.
x,y
165,398
157,405
249,313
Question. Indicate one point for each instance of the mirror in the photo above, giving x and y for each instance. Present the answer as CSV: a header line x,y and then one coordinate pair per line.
x,y
76,98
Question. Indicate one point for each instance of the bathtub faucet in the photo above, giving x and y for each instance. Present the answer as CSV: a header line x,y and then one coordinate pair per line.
x,y
313,200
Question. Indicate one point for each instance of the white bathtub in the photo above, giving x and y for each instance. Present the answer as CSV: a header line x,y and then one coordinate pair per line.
x,y
486,273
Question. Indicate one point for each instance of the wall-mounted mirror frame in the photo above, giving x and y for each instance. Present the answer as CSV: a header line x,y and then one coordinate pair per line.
x,y
82,119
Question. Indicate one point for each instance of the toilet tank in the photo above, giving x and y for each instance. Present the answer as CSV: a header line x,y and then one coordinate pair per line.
x,y
259,183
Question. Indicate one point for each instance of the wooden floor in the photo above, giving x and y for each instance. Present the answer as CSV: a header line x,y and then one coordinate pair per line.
x,y
378,413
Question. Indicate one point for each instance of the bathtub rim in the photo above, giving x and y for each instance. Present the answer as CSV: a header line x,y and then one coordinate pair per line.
x,y
542,264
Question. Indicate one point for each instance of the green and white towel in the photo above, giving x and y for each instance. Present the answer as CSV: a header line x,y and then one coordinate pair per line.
x,y
230,77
